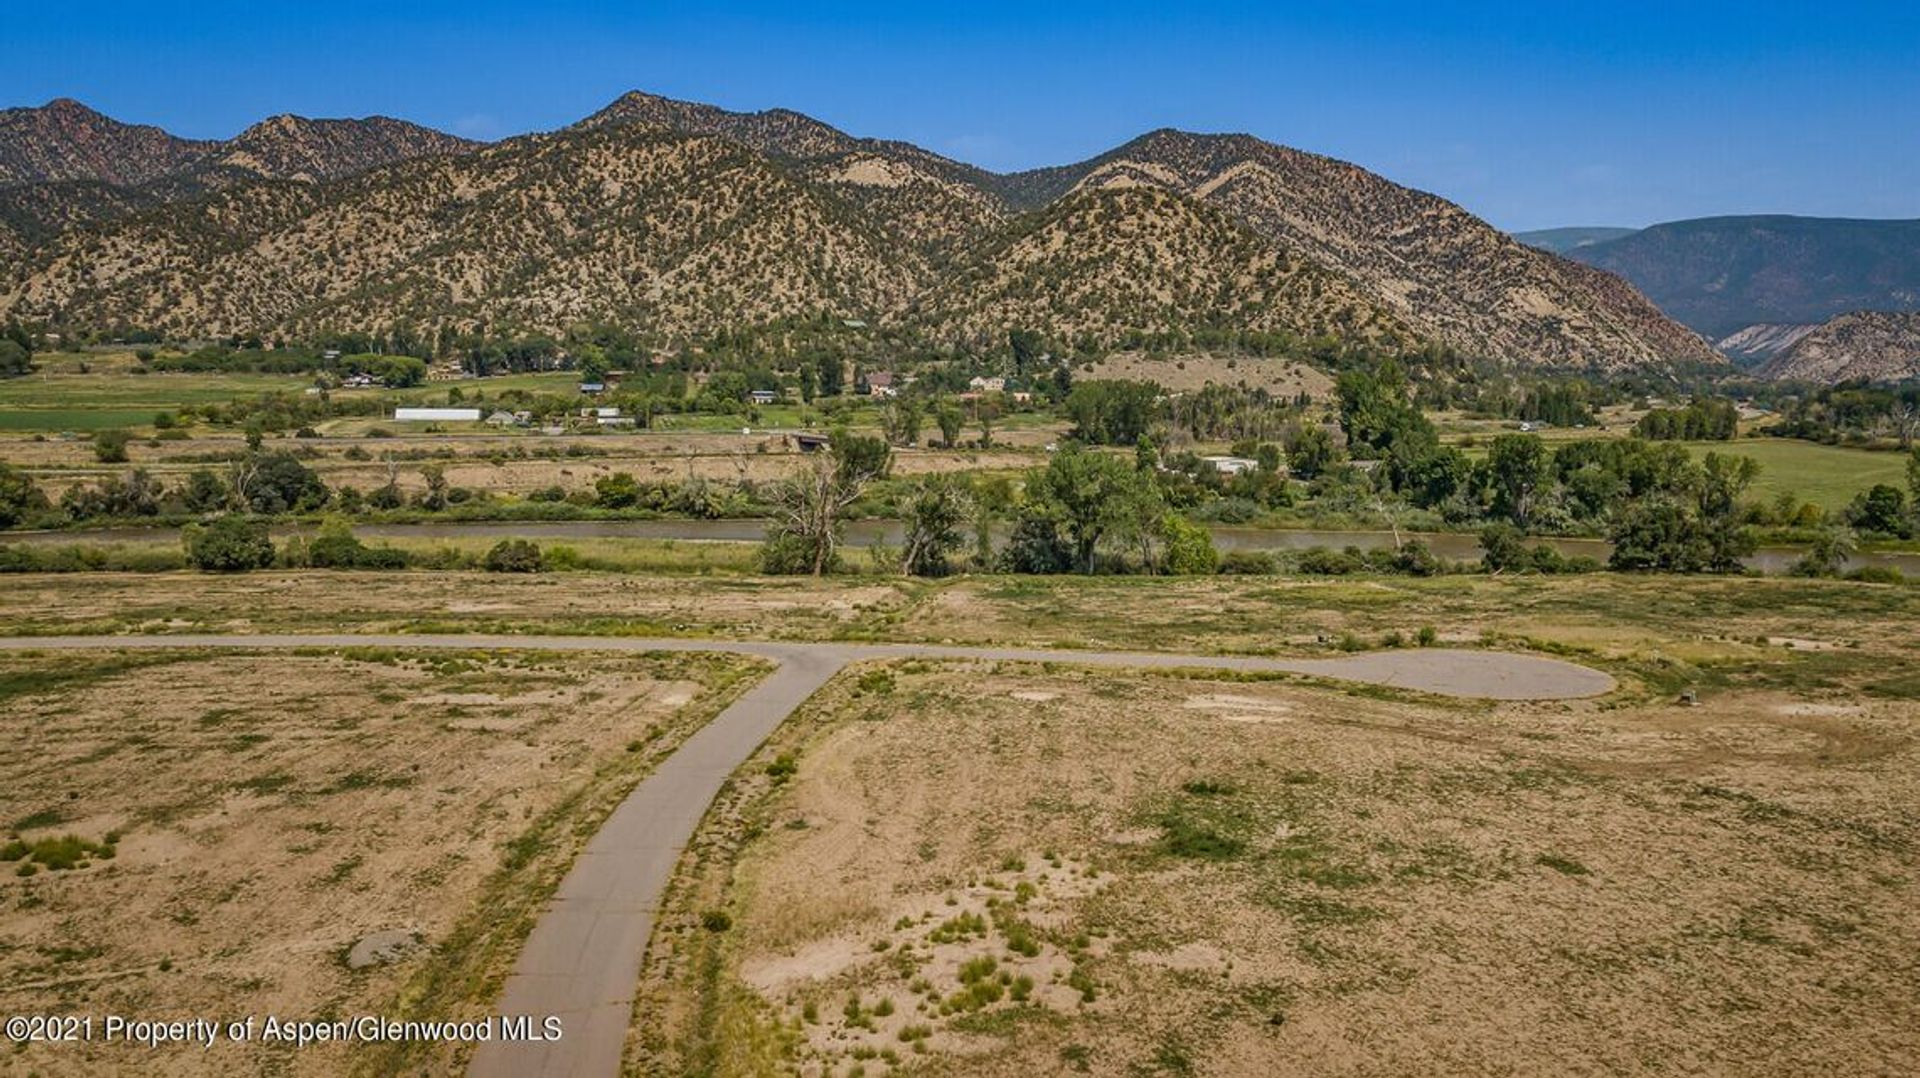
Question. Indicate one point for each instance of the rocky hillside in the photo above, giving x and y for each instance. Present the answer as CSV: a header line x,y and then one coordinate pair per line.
x,y
1758,343
296,148
1720,275
1447,274
650,228
1098,263
65,140
684,218
1878,346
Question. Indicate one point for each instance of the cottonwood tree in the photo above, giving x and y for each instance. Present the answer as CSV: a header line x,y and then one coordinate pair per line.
x,y
804,536
1516,469
1094,497
936,518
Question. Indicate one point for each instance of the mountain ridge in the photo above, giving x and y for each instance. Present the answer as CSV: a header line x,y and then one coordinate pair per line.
x,y
1872,346
1720,275
544,229
65,140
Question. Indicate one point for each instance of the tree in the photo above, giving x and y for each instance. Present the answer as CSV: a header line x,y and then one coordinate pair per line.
x,y
1190,550
1882,509
902,420
231,544
1827,554
1659,534
1093,497
18,495
1503,548
279,483
1035,546
1723,479
206,492
947,415
860,458
1516,469
1310,451
434,498
804,535
15,360
1376,408
1028,351
1112,411
110,446
985,412
829,376
936,516
617,491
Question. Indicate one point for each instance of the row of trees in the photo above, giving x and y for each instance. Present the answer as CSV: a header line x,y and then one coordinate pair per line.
x,y
1704,419
1082,506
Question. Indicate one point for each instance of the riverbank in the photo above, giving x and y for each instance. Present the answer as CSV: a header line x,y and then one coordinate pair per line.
x,y
869,534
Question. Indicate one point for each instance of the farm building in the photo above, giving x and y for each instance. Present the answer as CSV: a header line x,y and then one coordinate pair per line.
x,y
436,415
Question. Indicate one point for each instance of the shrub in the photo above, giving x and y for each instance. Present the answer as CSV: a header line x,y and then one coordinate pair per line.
x,y
110,446
1190,549
231,544
513,556
783,767
1320,561
787,554
1248,563
716,920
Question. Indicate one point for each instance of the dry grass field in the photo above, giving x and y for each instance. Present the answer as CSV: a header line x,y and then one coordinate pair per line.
x,y
502,466
303,834
1006,870
953,868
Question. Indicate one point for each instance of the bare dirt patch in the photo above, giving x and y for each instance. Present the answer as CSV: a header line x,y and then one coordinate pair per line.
x,y
1375,886
301,834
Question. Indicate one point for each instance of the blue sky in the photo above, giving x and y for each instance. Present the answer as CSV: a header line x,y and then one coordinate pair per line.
x,y
1529,115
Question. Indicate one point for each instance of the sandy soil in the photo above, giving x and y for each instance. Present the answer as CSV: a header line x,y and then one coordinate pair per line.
x,y
1259,878
293,834
1282,378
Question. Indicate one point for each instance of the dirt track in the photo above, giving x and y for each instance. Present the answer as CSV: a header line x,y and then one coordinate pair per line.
x,y
583,958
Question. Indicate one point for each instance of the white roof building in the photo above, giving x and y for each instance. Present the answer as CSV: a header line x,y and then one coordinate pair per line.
x,y
436,415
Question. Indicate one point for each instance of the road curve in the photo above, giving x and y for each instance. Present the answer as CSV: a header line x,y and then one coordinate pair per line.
x,y
582,960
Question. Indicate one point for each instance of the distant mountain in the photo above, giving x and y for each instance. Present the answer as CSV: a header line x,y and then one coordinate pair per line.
x,y
1100,262
1878,346
65,140
681,219
1720,275
1564,240
1448,275
296,148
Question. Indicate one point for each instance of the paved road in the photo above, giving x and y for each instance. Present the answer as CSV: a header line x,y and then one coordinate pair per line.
x,y
582,961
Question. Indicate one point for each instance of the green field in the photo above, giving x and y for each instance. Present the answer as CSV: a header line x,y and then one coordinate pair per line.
x,y
103,389
74,419
1828,476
